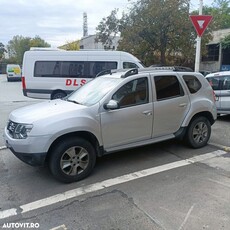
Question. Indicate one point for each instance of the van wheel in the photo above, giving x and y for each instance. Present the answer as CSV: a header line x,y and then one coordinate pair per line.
x,y
58,94
198,132
72,160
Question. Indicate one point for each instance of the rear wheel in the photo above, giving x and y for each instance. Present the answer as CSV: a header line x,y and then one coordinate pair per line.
x,y
198,132
72,160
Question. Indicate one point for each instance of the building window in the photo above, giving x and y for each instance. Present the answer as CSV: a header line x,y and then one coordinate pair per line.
x,y
212,53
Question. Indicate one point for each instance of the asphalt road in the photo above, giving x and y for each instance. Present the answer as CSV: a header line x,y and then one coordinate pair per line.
x,y
161,186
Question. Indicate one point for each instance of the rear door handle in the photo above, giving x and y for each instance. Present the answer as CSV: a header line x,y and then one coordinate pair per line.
x,y
147,112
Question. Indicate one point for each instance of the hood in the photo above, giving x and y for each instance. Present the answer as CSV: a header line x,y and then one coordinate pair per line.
x,y
47,109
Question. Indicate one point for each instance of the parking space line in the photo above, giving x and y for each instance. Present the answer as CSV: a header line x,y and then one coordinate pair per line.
x,y
61,227
106,184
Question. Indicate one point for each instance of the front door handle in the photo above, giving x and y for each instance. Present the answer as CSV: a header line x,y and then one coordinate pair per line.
x,y
182,104
147,112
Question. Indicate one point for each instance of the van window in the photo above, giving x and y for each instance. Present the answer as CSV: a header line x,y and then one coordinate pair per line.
x,y
129,65
167,87
192,83
71,69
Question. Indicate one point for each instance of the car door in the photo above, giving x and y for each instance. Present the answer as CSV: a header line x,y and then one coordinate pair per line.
x,y
132,122
225,94
170,106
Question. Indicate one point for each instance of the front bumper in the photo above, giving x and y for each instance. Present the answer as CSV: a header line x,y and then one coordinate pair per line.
x,y
34,159
32,150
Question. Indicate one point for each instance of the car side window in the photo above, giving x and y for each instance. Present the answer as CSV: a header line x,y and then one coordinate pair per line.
x,y
192,83
167,87
133,93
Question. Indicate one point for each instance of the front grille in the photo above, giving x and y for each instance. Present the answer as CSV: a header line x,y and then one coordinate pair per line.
x,y
11,127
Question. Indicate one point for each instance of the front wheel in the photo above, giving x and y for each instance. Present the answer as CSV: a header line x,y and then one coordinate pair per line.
x,y
58,94
198,132
72,160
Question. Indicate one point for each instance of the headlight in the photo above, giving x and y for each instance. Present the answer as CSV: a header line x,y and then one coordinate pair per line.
x,y
18,131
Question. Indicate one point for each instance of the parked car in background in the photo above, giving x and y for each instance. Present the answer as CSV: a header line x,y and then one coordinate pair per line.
x,y
113,112
205,72
13,72
220,82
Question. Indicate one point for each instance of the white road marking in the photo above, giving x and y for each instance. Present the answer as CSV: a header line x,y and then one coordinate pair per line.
x,y
186,218
61,227
105,184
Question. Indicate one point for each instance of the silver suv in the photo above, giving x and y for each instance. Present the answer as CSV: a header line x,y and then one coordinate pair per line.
x,y
113,112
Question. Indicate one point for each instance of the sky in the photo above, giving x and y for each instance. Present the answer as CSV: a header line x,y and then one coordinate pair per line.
x,y
57,21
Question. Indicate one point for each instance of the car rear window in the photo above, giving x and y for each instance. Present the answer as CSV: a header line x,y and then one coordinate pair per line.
x,y
192,83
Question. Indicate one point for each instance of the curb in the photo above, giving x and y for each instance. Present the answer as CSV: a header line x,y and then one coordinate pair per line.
x,y
222,147
3,147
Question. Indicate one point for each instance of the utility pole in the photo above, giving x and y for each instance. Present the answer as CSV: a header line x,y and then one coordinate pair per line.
x,y
198,43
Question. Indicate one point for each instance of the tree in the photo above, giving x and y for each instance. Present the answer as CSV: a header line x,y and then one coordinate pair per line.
x,y
225,42
108,29
19,44
75,45
2,50
162,28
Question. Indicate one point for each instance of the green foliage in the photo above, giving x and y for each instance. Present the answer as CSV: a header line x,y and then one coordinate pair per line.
x,y
163,28
225,42
220,11
160,32
2,50
74,45
19,44
108,29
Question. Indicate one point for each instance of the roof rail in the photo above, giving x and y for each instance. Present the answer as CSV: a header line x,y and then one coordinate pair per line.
x,y
104,72
173,68
130,72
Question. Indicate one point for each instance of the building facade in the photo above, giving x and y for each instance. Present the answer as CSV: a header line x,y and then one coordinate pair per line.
x,y
217,59
90,42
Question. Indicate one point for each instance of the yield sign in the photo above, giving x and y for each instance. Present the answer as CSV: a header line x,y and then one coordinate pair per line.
x,y
200,22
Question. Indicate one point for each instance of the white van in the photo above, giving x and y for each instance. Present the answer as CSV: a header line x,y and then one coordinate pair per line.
x,y
220,82
54,74
13,72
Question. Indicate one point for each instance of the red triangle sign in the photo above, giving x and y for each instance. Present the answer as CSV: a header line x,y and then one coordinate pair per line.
x,y
200,22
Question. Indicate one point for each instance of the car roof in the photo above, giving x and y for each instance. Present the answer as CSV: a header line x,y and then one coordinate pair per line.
x,y
216,74
123,73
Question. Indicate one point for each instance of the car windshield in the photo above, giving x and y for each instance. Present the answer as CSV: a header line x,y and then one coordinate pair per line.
x,y
93,91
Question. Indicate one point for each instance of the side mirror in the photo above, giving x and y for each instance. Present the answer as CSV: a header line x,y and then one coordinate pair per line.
x,y
112,104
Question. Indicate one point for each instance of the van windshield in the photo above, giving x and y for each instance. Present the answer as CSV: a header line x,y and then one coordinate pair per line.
x,y
93,91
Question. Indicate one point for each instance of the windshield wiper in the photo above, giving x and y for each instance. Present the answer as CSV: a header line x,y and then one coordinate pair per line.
x,y
73,101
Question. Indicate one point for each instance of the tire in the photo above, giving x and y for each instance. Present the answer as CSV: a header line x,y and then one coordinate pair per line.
x,y
198,133
72,160
58,94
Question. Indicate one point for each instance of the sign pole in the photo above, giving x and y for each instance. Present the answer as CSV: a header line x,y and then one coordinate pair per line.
x,y
198,43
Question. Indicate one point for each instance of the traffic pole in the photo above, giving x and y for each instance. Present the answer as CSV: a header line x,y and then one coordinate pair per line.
x,y
198,43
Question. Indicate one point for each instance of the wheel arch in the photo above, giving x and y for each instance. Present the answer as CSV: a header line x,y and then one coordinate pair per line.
x,y
80,134
206,114
56,91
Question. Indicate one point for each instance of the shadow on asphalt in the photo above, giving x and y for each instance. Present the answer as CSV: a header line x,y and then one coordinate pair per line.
x,y
223,118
